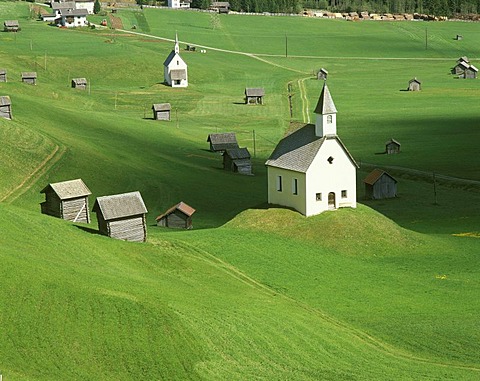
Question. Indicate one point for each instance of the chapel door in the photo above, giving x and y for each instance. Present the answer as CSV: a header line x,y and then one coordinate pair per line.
x,y
331,200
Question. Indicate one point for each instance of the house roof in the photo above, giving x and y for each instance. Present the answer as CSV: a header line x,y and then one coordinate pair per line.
x,y
325,103
68,189
254,91
237,153
415,80
5,100
393,141
120,205
297,151
29,74
161,107
10,23
80,81
171,57
181,206
223,138
178,74
375,175
73,12
64,5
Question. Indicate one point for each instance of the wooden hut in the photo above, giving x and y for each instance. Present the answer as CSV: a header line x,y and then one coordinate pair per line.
x,y
392,146
67,200
29,77
161,111
379,184
178,216
459,37
5,107
79,83
11,26
223,141
470,72
322,74
254,95
414,85
3,75
237,160
460,67
122,216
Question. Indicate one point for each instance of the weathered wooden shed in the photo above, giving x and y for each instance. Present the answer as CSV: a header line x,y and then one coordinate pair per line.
x,y
3,75
221,142
29,77
254,95
67,200
470,72
178,216
79,83
379,184
122,216
322,74
11,26
414,85
5,107
237,160
392,146
161,111
459,37
460,67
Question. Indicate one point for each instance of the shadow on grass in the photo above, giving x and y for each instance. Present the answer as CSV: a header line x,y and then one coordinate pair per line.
x,y
88,230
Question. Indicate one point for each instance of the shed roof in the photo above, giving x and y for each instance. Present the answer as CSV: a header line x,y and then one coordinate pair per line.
x,y
68,189
5,100
3,71
63,5
11,23
464,59
415,80
462,64
393,141
120,205
237,153
181,206
323,70
161,107
80,81
178,74
296,151
226,137
375,175
325,103
473,68
223,4
254,91
31,74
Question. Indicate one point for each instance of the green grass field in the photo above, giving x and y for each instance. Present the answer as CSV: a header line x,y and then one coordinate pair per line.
x,y
388,291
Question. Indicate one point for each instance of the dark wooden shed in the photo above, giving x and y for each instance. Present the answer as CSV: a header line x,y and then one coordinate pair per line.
x,y
3,75
379,184
322,74
414,85
11,26
392,146
67,200
237,160
29,77
223,141
5,107
122,216
79,83
161,111
178,216
254,95
470,72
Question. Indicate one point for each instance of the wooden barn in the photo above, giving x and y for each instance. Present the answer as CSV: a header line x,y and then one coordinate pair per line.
x,y
11,26
470,72
67,200
3,75
460,67
414,85
237,160
322,74
392,146
379,184
223,141
254,95
178,216
29,77
5,107
122,216
79,83
161,111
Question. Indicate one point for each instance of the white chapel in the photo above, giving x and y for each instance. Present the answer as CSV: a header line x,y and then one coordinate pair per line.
x,y
311,170
175,69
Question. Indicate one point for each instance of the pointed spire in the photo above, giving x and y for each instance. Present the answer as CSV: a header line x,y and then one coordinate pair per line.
x,y
325,103
177,47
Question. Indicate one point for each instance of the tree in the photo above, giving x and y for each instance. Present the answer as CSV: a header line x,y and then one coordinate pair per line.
x,y
96,7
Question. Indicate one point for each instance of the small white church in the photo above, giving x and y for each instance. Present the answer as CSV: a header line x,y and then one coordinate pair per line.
x,y
175,69
311,170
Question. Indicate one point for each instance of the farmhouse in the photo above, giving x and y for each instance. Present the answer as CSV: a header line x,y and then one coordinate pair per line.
x,y
311,170
11,26
5,107
322,74
175,68
3,75
122,216
414,85
161,111
72,18
460,67
29,77
237,160
178,216
67,200
254,95
379,184
392,146
470,72
223,141
178,4
79,83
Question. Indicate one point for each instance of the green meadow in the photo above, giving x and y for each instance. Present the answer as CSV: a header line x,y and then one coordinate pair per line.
x,y
388,291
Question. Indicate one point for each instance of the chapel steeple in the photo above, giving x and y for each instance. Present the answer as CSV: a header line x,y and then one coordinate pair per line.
x,y
326,121
177,47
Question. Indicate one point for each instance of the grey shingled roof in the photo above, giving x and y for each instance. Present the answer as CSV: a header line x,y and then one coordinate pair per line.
x,y
178,74
120,205
29,74
11,23
296,151
415,80
161,107
254,91
237,153
226,137
471,67
68,189
463,64
3,71
393,141
325,103
5,100
64,5
73,12
80,81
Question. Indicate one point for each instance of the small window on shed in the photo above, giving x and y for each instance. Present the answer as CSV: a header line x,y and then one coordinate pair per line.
x,y
344,194
318,197
329,119
330,160
295,186
279,183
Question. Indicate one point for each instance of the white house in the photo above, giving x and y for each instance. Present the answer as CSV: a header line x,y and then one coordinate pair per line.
x,y
72,18
311,170
175,68
87,5
179,3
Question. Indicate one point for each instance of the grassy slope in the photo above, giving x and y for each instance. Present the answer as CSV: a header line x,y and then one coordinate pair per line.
x,y
216,323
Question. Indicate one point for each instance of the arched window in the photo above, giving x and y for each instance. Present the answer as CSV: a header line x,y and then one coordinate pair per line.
x,y
329,119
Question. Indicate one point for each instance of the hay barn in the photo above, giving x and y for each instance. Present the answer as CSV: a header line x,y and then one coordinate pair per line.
x,y
161,111
237,160
254,95
178,216
379,185
67,200
223,141
322,74
3,75
122,216
29,77
414,85
5,107
79,83
470,72
392,146
11,26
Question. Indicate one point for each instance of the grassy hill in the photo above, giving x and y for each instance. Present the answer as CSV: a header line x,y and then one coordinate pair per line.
x,y
253,292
